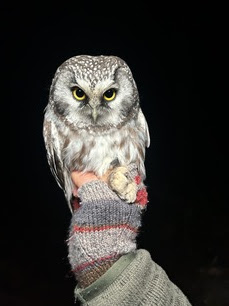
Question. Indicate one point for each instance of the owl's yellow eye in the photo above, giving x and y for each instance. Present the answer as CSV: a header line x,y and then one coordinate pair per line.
x,y
109,95
78,94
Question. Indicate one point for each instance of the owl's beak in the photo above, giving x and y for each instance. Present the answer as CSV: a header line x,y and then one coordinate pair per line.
x,y
94,114
94,103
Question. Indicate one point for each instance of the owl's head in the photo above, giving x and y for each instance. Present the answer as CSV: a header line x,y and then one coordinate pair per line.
x,y
94,91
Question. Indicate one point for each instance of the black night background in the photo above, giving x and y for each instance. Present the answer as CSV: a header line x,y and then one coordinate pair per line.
x,y
177,56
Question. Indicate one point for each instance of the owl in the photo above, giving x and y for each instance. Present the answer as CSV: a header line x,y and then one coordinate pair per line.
x,y
93,122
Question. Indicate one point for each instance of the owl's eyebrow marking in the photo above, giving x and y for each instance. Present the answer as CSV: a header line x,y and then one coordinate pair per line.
x,y
113,84
74,84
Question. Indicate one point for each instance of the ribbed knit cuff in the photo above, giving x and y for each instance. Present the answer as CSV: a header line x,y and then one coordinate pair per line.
x,y
96,191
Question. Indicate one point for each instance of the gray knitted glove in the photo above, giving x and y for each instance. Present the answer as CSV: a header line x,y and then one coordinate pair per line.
x,y
103,228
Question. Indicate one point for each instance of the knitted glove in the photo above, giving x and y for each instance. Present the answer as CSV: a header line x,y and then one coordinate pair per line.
x,y
103,228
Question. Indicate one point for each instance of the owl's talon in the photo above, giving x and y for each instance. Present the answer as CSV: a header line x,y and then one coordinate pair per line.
x,y
120,182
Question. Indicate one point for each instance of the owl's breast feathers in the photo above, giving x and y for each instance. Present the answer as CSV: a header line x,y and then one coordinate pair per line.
x,y
69,149
96,151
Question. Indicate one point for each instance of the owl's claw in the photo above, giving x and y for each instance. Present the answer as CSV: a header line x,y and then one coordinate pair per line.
x,y
120,182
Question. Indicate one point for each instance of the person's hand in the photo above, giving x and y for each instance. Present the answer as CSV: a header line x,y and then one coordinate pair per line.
x,y
80,178
103,227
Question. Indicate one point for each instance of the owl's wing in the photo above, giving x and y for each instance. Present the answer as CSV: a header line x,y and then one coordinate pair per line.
x,y
144,126
53,149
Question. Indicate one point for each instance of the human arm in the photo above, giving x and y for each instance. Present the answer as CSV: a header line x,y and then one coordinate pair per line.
x,y
103,253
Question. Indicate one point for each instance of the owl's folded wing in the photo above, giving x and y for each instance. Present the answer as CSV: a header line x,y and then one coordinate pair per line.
x,y
52,145
144,126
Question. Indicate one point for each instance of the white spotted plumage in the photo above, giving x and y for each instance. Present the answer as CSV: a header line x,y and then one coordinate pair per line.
x,y
76,138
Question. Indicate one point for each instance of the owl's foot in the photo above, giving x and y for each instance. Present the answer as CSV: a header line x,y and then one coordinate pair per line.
x,y
120,181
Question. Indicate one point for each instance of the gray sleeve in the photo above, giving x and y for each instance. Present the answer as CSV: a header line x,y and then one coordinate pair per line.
x,y
142,282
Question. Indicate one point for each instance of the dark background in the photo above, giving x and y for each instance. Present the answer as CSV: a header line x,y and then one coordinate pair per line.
x,y
177,55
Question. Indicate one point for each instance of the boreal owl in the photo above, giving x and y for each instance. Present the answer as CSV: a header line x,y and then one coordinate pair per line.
x,y
93,122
